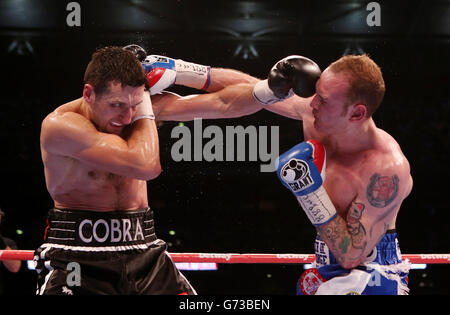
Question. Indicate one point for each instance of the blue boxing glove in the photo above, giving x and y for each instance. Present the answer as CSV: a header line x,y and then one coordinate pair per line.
x,y
162,72
302,171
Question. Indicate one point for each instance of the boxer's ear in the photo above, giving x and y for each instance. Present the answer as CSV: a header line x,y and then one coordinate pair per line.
x,y
358,112
88,93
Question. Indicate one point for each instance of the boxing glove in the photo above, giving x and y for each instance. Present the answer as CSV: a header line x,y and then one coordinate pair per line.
x,y
137,50
302,170
162,72
291,75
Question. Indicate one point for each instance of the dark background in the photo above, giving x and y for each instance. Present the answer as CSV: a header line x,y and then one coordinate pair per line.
x,y
231,206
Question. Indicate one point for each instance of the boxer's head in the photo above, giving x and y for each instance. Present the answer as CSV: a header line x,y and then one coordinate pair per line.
x,y
350,89
366,84
114,82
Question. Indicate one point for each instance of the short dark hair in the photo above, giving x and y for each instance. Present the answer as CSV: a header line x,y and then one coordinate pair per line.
x,y
110,64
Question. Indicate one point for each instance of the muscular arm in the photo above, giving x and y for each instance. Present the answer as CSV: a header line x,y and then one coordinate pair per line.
x,y
352,239
72,135
169,106
230,102
221,78
293,107
233,101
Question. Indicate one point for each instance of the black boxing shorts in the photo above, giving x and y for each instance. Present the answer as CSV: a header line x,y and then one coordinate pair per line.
x,y
111,253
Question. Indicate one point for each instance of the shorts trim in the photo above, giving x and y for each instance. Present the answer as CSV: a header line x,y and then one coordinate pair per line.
x,y
99,248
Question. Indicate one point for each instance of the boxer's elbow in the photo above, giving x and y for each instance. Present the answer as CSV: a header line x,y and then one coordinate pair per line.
x,y
150,169
348,260
146,166
153,172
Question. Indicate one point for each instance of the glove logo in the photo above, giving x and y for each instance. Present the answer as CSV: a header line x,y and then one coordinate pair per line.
x,y
296,174
154,59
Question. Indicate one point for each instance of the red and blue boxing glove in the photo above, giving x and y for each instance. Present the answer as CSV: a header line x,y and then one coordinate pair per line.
x,y
302,170
162,72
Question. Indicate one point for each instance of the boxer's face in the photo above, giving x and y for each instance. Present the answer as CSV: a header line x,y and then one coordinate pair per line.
x,y
115,108
329,105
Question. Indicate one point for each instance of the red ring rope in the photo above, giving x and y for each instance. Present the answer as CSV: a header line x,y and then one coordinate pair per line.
x,y
227,258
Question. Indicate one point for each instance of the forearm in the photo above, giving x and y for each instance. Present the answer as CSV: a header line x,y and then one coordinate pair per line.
x,y
230,102
237,101
143,143
221,78
302,169
347,248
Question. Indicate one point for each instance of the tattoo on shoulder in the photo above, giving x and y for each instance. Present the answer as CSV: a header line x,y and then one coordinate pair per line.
x,y
382,190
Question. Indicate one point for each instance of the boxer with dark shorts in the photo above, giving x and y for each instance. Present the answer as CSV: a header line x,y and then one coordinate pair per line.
x,y
117,252
98,152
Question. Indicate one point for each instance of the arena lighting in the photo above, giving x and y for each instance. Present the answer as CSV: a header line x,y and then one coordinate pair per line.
x,y
196,266
353,49
21,47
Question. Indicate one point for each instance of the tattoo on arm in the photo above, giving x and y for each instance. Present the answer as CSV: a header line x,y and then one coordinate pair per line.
x,y
342,235
382,190
339,239
354,225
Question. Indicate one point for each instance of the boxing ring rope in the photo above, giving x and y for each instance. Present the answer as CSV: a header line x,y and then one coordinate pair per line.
x,y
228,258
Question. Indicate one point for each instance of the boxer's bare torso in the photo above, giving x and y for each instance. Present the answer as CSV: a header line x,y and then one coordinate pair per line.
x,y
79,179
76,185
367,175
350,175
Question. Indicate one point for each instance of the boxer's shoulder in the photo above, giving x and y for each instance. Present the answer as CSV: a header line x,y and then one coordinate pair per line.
x,y
385,174
68,116
387,155
65,128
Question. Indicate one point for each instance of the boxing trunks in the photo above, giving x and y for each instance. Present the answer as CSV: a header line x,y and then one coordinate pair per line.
x,y
87,252
382,273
